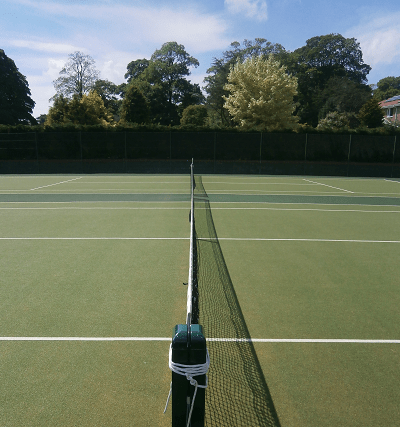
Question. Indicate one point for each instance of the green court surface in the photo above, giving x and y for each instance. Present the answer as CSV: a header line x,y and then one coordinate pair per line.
x,y
91,278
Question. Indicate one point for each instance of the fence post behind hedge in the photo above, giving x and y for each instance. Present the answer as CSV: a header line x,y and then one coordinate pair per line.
x,y
394,152
215,144
37,150
348,156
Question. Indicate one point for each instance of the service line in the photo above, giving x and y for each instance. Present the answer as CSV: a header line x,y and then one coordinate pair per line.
x,y
238,340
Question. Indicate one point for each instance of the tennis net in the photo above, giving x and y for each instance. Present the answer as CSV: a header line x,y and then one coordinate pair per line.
x,y
188,357
238,394
192,314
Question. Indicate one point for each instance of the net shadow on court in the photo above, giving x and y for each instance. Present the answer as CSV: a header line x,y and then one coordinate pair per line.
x,y
237,394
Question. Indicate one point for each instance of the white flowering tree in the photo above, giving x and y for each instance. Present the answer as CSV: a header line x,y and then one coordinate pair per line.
x,y
261,95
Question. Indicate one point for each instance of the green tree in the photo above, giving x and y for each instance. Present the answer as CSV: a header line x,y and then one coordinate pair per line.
x,y
16,104
387,87
321,59
135,108
78,76
136,68
343,95
41,119
333,55
87,110
218,72
58,113
163,81
371,114
111,94
334,121
195,115
261,94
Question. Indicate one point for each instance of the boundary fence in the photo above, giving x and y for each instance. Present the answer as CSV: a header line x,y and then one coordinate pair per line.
x,y
214,152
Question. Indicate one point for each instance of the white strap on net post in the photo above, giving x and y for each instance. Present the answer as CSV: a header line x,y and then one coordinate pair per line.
x,y
189,371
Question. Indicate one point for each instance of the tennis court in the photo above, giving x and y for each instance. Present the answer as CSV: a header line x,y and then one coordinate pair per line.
x,y
306,334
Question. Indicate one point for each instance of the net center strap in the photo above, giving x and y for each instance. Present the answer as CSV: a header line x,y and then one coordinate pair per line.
x,y
189,371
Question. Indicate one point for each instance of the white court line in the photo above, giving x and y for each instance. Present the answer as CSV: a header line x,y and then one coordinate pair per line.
x,y
256,183
303,340
85,339
97,191
134,182
330,186
94,238
274,192
57,183
293,209
304,240
212,203
238,340
102,208
185,208
392,180
247,239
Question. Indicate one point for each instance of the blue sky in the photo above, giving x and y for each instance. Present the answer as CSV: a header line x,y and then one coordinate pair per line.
x,y
39,35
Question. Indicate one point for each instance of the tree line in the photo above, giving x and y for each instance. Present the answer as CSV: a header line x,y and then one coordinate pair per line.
x,y
252,85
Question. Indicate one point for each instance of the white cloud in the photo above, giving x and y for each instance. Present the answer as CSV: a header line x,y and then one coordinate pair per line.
x,y
381,46
60,48
379,38
113,70
54,68
113,34
196,30
251,8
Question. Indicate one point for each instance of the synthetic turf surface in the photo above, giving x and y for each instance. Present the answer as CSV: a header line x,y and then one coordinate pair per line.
x,y
290,288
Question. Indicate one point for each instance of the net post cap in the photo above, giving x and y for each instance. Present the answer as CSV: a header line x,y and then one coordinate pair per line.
x,y
180,335
197,338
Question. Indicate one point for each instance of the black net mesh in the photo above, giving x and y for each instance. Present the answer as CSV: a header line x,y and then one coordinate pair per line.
x,y
237,394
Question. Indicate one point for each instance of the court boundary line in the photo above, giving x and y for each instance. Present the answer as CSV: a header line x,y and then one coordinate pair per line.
x,y
234,340
94,238
185,208
321,194
245,239
330,186
56,183
250,239
185,201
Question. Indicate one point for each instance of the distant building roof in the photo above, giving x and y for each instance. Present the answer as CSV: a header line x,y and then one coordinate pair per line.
x,y
394,100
